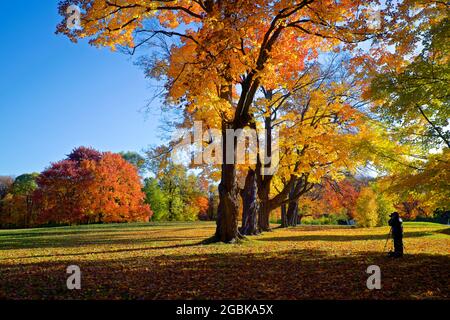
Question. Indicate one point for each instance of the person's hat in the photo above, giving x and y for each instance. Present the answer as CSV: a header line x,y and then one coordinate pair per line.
x,y
393,214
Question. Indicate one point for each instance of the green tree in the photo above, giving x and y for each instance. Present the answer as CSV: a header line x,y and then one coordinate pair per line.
x,y
416,98
135,159
157,198
24,186
179,187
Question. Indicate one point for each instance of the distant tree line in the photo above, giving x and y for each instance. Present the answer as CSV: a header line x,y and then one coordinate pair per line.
x,y
87,187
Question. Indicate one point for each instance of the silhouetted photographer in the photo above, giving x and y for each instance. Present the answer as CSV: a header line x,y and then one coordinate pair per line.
x,y
397,234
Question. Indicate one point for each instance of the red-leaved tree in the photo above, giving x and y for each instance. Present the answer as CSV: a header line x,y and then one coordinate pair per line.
x,y
90,187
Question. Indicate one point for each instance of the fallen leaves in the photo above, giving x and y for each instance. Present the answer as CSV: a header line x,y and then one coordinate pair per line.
x,y
168,261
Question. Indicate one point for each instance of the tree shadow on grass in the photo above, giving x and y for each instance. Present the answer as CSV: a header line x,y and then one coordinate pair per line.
x,y
74,241
68,231
69,238
190,274
445,231
362,237
114,251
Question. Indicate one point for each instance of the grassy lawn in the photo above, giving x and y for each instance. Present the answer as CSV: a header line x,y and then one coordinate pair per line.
x,y
169,261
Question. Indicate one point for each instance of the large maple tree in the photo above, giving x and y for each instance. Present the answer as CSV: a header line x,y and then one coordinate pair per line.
x,y
225,51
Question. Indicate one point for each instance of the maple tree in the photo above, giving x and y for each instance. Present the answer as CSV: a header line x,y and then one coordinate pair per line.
x,y
202,203
415,97
224,52
225,45
90,186
324,133
342,196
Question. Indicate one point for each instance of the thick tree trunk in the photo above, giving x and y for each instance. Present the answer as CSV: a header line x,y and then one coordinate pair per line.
x,y
211,207
250,206
292,213
265,181
264,215
284,220
227,213
264,210
228,210
227,229
299,218
227,224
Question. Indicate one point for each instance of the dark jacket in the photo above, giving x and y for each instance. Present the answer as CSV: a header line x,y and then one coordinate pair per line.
x,y
397,229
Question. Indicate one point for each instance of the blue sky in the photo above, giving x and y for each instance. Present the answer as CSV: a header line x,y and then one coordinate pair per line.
x,y
56,95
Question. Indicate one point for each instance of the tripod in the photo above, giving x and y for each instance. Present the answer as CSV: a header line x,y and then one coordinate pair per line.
x,y
388,237
387,240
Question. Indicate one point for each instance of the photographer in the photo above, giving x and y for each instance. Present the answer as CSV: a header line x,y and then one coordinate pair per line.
x,y
397,234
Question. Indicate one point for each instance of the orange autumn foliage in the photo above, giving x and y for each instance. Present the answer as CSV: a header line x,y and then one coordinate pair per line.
x,y
202,203
342,196
91,189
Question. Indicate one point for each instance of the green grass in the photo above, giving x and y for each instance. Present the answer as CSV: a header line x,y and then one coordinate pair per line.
x,y
171,261
411,224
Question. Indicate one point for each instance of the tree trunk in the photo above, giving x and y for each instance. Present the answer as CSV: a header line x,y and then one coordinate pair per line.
x,y
228,210
292,213
211,207
250,206
284,220
264,218
227,228
265,181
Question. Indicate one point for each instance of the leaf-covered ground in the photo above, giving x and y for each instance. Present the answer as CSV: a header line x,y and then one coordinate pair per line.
x,y
169,261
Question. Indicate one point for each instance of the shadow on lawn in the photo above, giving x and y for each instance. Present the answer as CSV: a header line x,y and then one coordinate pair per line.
x,y
344,237
445,231
73,241
69,238
125,250
293,274
67,231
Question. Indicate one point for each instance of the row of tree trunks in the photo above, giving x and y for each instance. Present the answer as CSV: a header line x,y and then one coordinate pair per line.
x,y
287,199
228,206
262,184
291,216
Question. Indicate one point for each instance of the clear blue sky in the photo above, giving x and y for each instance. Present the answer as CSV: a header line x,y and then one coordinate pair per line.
x,y
56,95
